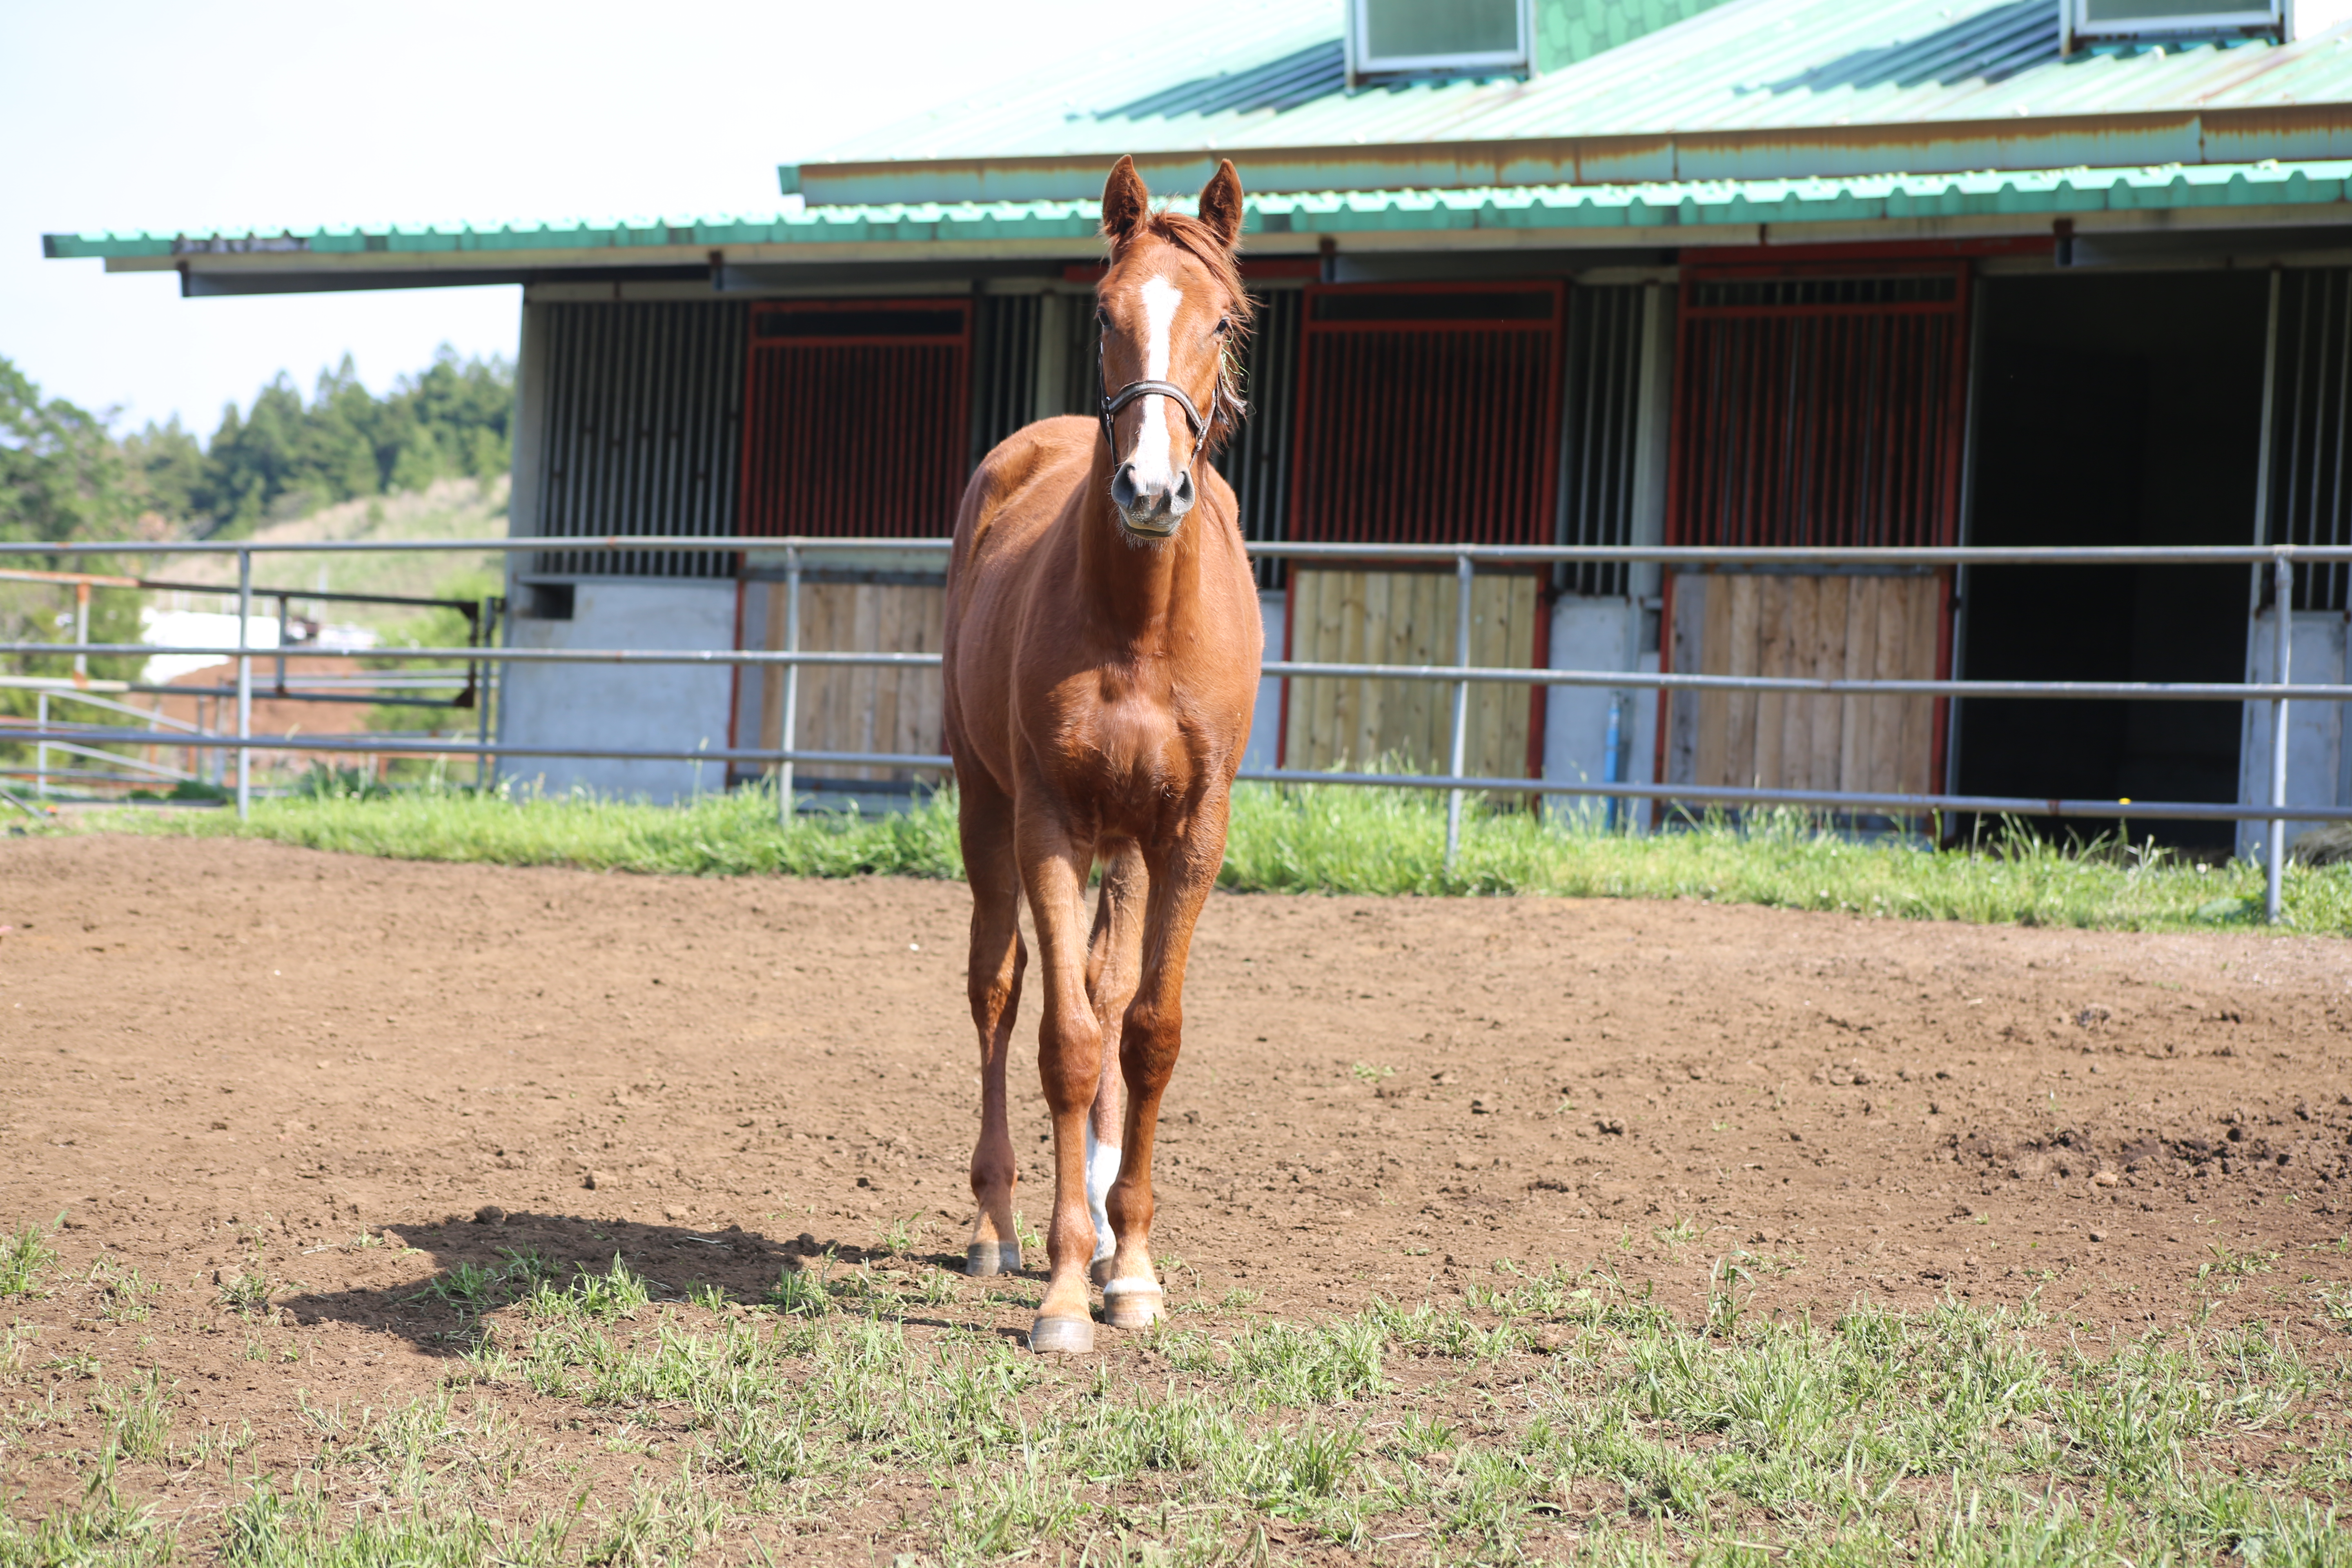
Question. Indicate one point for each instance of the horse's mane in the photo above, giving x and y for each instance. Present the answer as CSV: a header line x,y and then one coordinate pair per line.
x,y
1195,239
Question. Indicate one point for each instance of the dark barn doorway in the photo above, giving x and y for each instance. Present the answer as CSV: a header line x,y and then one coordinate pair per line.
x,y
2113,410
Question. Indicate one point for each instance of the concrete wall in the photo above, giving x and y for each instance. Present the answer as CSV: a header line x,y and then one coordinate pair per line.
x,y
1598,634
674,706
2318,764
1266,721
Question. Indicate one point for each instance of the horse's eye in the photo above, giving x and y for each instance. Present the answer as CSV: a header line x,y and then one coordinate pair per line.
x,y
1225,325
1102,317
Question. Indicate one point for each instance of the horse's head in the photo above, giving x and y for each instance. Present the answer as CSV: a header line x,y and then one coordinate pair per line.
x,y
1174,315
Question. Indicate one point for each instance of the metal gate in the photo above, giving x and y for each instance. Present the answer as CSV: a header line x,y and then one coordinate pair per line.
x,y
855,417
643,433
1824,406
1426,412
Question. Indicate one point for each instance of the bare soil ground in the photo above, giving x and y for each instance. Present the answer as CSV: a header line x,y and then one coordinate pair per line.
x,y
225,1057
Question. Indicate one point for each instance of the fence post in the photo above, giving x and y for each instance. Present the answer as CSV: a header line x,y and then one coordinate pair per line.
x,y
81,630
791,685
244,681
41,751
478,675
1462,572
2282,607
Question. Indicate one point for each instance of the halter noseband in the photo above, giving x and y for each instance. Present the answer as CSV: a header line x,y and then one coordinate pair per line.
x,y
1133,390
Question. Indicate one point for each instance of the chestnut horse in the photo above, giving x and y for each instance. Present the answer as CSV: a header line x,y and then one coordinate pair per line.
x,y
1101,653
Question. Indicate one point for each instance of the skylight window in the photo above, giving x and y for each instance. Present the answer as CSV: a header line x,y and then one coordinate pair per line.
x,y
1438,37
2098,21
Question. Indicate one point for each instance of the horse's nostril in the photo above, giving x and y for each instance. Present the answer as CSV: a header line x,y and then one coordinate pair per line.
x,y
1185,490
1122,486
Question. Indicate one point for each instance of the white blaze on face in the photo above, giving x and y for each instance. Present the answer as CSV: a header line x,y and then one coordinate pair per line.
x,y
1153,458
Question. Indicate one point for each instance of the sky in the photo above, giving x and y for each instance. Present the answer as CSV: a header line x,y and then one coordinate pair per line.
x,y
135,114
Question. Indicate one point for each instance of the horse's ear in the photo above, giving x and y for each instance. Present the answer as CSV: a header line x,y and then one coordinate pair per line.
x,y
1125,204
1221,204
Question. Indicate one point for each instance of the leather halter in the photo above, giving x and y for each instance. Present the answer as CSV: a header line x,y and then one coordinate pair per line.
x,y
1133,390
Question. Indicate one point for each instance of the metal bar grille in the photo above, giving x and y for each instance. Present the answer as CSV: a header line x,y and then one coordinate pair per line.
x,y
2309,501
1256,461
858,419
1428,412
1598,433
1003,368
643,433
1819,411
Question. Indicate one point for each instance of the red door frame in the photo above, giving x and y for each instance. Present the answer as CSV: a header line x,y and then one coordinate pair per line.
x,y
961,418
1547,501
1950,442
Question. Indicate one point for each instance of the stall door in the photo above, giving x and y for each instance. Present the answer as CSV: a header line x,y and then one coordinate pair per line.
x,y
1813,407
857,424
1426,413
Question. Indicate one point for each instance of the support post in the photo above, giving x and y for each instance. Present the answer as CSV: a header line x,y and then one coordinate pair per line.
x,y
81,631
244,681
41,751
1462,574
485,628
2283,648
792,686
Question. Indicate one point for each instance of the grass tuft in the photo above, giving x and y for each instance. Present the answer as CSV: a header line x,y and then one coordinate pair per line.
x,y
24,1255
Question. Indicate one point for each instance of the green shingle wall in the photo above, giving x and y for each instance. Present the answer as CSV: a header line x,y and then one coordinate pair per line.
x,y
1568,31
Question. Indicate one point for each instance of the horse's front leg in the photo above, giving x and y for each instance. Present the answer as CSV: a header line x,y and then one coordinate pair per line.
x,y
1114,959
1069,1064
1181,878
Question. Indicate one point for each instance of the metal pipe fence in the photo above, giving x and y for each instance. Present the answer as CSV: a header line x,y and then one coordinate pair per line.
x,y
1457,782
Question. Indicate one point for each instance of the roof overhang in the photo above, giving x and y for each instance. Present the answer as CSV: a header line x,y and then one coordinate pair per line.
x,y
2209,137
2195,198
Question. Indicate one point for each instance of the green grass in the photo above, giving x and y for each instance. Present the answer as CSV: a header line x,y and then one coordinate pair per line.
x,y
1549,1413
1555,1416
1333,840
24,1255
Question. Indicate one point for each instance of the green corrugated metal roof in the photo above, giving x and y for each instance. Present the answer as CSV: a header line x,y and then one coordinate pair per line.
x,y
1781,112
1771,87
1648,212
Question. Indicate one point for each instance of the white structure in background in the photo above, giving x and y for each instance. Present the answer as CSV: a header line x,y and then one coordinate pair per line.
x,y
207,629
2318,762
197,629
667,707
1594,734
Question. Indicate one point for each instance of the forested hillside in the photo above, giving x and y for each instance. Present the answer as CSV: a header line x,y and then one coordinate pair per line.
x,y
64,474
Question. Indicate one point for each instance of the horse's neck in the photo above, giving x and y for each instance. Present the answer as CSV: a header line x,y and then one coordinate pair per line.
x,y
1134,589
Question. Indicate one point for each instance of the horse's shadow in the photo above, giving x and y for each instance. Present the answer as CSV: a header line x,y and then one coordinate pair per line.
x,y
472,1268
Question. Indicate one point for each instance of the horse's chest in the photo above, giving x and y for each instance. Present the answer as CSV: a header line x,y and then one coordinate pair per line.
x,y
1122,745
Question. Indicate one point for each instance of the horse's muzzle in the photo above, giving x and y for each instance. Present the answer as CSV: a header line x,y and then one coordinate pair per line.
x,y
1154,511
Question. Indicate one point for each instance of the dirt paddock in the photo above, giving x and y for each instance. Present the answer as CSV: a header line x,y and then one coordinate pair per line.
x,y
211,1046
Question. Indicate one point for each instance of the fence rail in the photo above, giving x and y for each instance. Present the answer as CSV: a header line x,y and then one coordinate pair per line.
x,y
795,553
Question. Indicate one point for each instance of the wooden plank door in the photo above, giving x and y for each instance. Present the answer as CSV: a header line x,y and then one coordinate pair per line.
x,y
1820,406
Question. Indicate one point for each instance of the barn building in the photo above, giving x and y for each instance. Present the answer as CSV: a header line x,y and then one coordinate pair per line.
x,y
1699,271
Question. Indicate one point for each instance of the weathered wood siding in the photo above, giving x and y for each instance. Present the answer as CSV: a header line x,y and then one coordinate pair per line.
x,y
859,710
1407,617
1841,628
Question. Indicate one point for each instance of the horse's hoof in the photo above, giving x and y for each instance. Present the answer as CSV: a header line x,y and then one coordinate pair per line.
x,y
1139,1306
982,1259
1063,1336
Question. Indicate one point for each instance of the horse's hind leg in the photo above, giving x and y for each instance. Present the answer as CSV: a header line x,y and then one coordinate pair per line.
x,y
994,978
1114,956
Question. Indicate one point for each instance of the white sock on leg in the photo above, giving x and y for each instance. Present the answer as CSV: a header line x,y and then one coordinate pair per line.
x,y
1102,1169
